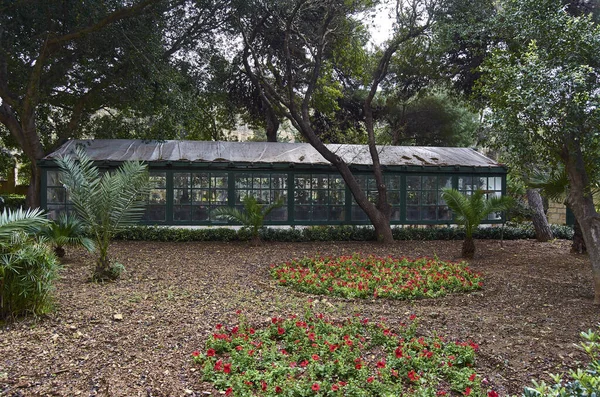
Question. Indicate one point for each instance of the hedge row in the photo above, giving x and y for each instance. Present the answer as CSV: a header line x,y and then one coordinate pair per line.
x,y
12,201
333,233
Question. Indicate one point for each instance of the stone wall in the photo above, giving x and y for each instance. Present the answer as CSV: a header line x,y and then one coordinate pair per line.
x,y
557,213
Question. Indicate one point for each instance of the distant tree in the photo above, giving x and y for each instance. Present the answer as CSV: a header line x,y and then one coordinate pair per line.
x,y
60,62
545,99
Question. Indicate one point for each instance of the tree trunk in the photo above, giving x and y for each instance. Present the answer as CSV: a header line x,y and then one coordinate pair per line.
x,y
581,202
578,245
272,122
34,190
468,248
540,222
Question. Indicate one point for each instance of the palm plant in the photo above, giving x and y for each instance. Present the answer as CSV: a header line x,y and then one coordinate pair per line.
x,y
105,203
68,230
27,266
252,217
470,210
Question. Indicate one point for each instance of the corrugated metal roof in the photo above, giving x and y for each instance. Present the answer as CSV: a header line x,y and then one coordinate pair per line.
x,y
269,152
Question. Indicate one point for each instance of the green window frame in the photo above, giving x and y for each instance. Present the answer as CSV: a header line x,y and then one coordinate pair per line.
x,y
197,194
319,198
57,197
156,209
424,201
267,188
367,182
491,185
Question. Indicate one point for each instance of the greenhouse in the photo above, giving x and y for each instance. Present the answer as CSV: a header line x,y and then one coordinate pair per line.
x,y
190,179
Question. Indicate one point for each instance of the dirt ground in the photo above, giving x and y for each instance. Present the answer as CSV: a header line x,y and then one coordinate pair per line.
x,y
536,300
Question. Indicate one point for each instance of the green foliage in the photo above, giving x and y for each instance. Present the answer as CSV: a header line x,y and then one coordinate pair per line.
x,y
105,203
543,87
68,230
27,266
12,201
252,217
582,382
310,355
470,210
356,276
334,233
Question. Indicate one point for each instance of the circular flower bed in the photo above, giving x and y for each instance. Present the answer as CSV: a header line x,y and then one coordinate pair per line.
x,y
364,277
313,356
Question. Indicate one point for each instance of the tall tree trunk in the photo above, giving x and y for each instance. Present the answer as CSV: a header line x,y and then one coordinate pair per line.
x,y
578,245
581,202
272,122
540,222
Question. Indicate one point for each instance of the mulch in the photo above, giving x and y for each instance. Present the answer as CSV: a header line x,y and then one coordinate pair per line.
x,y
135,336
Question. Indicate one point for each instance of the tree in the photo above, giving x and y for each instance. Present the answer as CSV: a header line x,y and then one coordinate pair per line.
x,y
105,203
301,75
68,230
470,210
545,99
60,62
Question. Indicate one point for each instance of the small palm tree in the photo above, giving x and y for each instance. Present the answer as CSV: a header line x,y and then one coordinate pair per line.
x,y
68,230
105,203
252,217
27,266
470,210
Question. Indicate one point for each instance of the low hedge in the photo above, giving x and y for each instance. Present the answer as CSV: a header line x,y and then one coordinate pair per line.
x,y
12,201
333,233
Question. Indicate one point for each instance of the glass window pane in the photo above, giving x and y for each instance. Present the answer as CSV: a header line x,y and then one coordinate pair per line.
x,y
56,195
444,182
158,196
181,180
429,183
413,182
155,213
412,213
200,213
336,213
181,196
444,213
413,198
158,180
429,213
181,213
429,197
53,178
498,183
302,212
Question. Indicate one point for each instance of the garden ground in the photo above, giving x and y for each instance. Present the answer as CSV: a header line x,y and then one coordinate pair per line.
x,y
135,337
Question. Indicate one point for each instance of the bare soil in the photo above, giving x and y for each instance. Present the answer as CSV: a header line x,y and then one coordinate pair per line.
x,y
536,300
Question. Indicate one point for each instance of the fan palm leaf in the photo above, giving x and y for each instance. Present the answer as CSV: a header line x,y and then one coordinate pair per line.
x,y
29,221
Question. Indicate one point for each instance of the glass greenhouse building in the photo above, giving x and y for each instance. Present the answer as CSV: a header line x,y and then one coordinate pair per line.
x,y
193,178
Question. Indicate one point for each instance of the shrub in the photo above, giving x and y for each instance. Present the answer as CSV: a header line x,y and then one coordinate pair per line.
x,y
27,266
372,277
12,201
582,383
310,355
68,230
331,233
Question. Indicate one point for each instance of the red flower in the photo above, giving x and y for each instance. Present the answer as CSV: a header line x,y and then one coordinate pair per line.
x,y
315,357
370,379
251,331
293,364
472,377
381,364
398,352
219,326
412,375
358,366
227,368
335,387
280,331
229,392
219,365
263,385
493,393
304,363
467,391
196,353
239,348
278,389
210,352
412,317
315,387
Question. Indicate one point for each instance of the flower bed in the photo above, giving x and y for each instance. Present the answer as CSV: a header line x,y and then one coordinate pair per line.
x,y
313,356
370,276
